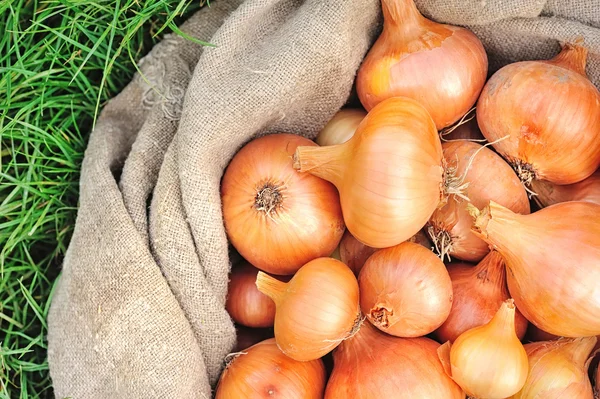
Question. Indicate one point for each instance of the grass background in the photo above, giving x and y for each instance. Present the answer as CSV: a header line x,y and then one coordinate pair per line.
x,y
60,61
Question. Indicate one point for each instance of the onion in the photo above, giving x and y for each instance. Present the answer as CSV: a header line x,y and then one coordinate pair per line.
x,y
263,371
550,112
276,218
316,310
478,292
466,129
488,178
389,174
246,337
245,303
549,194
405,290
341,127
443,67
553,260
488,361
373,365
558,369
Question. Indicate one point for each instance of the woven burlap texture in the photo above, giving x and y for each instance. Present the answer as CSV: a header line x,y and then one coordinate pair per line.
x,y
138,311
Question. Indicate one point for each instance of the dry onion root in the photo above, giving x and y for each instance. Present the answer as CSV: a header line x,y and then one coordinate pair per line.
x,y
411,58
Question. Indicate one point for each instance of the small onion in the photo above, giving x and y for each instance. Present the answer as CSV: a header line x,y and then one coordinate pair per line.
x,y
405,290
245,303
262,371
488,177
316,310
488,361
478,291
443,67
553,263
558,370
276,218
373,365
549,194
550,112
341,127
389,174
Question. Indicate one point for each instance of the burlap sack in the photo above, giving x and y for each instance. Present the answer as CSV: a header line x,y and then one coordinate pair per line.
x,y
139,309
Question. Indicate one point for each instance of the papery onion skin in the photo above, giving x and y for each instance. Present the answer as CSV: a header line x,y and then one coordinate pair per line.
x,y
552,259
374,365
478,291
245,303
489,177
389,174
488,361
316,310
558,369
341,127
443,67
262,371
276,218
549,194
405,290
550,112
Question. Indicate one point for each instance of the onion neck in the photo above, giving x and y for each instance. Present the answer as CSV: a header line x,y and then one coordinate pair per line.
x,y
573,57
504,319
359,345
324,162
579,349
491,271
270,286
400,14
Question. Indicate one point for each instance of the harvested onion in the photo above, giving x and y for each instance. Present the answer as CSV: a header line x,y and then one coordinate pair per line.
x,y
558,369
389,174
488,361
276,218
549,194
262,371
553,263
550,112
341,127
245,303
478,291
443,67
316,310
488,178
373,365
405,290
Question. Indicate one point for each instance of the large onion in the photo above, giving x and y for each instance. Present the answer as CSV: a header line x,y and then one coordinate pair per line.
x,y
553,260
443,67
550,112
373,365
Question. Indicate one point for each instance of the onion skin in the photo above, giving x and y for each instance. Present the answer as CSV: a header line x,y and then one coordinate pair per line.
x,y
478,291
551,113
389,174
488,361
489,177
405,290
549,194
443,67
374,365
558,369
245,303
262,371
341,127
354,253
468,130
553,265
276,218
316,310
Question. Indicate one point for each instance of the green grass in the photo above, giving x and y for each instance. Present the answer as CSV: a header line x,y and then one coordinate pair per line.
x,y
60,61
